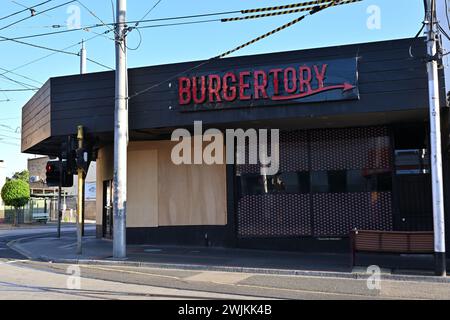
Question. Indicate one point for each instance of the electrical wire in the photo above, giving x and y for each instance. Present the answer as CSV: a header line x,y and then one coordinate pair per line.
x,y
51,54
178,24
28,9
9,137
32,10
137,24
148,12
443,32
288,6
56,50
278,13
446,14
11,144
39,13
87,28
287,25
25,85
19,75
17,90
97,17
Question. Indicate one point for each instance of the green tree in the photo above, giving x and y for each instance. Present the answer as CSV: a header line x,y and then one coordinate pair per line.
x,y
16,193
22,175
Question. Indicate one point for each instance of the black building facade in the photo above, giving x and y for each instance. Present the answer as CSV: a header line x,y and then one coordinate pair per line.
x,y
354,145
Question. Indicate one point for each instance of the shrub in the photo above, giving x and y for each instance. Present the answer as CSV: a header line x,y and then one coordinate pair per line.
x,y
16,193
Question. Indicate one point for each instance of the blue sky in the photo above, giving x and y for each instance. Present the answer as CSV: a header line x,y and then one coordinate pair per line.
x,y
339,25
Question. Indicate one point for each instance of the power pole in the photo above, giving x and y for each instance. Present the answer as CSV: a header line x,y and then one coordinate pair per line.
x,y
83,69
431,30
59,196
82,58
120,135
80,172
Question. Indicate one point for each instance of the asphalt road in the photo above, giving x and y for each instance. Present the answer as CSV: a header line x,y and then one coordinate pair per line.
x,y
23,279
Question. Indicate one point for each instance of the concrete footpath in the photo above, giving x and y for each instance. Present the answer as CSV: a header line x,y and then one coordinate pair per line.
x,y
99,251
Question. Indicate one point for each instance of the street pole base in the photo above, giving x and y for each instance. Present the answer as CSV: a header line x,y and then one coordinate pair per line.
x,y
440,264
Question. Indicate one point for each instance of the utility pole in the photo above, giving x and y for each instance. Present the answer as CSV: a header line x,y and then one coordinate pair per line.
x,y
80,172
431,31
59,196
82,58
120,135
83,68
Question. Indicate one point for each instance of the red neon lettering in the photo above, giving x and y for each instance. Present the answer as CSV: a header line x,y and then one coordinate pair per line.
x,y
320,75
243,85
276,79
214,85
305,81
184,90
292,80
195,90
229,91
260,87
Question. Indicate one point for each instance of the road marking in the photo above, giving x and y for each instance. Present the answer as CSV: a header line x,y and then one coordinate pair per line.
x,y
68,246
131,272
219,277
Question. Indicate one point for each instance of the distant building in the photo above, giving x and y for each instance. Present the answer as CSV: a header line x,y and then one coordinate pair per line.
x,y
40,190
2,182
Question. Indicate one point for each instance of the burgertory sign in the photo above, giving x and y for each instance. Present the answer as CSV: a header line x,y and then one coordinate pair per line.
x,y
270,85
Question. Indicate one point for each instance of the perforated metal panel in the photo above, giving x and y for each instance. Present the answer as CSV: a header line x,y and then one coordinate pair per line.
x,y
276,215
322,214
353,148
336,214
293,153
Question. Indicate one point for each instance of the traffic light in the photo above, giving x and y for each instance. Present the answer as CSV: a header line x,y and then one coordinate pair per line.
x,y
53,171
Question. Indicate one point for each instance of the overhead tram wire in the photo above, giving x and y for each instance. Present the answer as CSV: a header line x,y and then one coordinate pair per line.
x,y
25,85
148,12
178,23
38,13
97,17
278,13
87,28
19,75
287,25
132,22
137,24
24,10
51,54
17,90
55,50
288,6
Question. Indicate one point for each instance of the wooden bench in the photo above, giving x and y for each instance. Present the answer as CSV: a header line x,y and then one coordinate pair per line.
x,y
390,242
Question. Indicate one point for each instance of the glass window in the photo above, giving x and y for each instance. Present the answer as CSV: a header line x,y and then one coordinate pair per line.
x,y
412,161
288,182
351,181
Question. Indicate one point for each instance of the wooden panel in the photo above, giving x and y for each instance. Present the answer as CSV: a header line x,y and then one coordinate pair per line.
x,y
163,194
142,191
36,118
187,194
190,194
105,167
